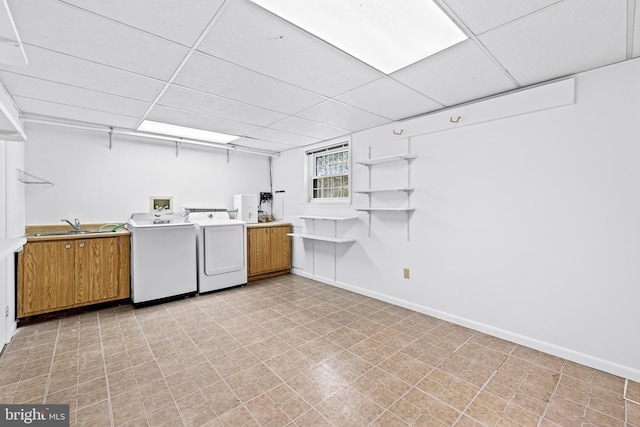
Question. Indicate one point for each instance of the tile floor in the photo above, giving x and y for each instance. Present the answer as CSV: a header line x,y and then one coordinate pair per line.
x,y
290,351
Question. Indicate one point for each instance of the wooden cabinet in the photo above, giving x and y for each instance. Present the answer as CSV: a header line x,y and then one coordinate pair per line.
x,y
268,250
58,274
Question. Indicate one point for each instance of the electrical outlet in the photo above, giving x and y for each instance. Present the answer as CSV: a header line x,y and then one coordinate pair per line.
x,y
407,273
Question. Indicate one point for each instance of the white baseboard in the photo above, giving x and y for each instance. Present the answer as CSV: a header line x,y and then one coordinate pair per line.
x,y
555,350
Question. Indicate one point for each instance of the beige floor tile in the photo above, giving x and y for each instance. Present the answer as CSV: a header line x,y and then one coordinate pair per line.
x,y
292,351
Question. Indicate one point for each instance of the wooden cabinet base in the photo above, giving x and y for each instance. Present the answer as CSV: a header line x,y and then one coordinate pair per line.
x,y
56,275
267,275
268,250
71,311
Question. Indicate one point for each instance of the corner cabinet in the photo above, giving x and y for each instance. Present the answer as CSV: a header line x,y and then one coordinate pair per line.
x,y
59,274
268,250
407,190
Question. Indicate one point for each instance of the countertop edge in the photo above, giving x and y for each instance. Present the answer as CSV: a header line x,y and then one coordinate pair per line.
x,y
269,224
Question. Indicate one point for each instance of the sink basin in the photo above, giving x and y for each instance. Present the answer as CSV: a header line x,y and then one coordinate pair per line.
x,y
69,233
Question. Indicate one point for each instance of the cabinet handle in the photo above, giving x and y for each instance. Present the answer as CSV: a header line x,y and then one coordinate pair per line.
x,y
68,246
82,245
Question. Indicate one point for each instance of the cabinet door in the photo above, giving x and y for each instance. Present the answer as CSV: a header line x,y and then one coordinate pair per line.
x,y
97,270
46,277
280,248
258,245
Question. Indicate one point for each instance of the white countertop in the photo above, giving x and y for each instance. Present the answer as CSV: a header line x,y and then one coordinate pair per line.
x,y
9,246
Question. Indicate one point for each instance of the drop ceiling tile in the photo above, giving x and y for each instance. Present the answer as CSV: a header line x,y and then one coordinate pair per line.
x,y
389,98
31,87
309,128
273,135
343,116
198,121
65,69
51,109
235,82
66,29
483,15
199,102
181,21
456,75
573,36
254,38
267,146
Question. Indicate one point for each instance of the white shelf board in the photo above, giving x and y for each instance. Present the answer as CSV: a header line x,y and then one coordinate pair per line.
x,y
323,238
329,218
386,209
384,190
9,246
387,159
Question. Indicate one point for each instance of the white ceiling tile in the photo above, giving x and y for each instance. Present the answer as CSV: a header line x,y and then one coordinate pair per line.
x,y
31,87
483,15
235,82
179,20
343,116
456,75
66,29
309,128
389,98
57,67
254,38
281,137
198,121
199,102
573,36
51,109
258,144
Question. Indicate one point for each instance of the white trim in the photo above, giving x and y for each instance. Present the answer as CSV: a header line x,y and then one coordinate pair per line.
x,y
555,350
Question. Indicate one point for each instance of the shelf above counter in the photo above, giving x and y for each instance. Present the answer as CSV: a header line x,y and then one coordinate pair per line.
x,y
405,209
322,238
328,218
9,246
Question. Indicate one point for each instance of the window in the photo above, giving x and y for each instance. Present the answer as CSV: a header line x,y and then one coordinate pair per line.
x,y
329,170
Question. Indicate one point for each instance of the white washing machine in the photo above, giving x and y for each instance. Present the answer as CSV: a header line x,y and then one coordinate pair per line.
x,y
163,256
222,250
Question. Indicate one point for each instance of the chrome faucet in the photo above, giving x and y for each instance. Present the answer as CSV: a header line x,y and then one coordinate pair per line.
x,y
75,224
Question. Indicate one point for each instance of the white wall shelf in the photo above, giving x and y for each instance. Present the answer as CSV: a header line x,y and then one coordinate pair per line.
x,y
407,209
334,238
328,218
387,159
27,178
408,157
322,238
385,190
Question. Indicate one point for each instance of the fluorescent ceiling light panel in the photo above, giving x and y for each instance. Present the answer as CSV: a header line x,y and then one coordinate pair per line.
x,y
388,35
185,132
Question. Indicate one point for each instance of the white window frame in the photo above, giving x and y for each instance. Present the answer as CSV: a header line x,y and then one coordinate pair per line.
x,y
344,145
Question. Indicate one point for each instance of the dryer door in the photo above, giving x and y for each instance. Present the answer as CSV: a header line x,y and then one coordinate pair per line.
x,y
224,249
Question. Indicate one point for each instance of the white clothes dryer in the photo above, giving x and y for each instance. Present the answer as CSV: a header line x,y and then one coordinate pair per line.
x,y
221,250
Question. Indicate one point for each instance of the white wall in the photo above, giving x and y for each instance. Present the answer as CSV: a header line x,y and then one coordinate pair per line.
x,y
526,227
96,184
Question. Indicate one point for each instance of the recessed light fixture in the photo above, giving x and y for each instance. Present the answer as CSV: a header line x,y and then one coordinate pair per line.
x,y
387,35
185,132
